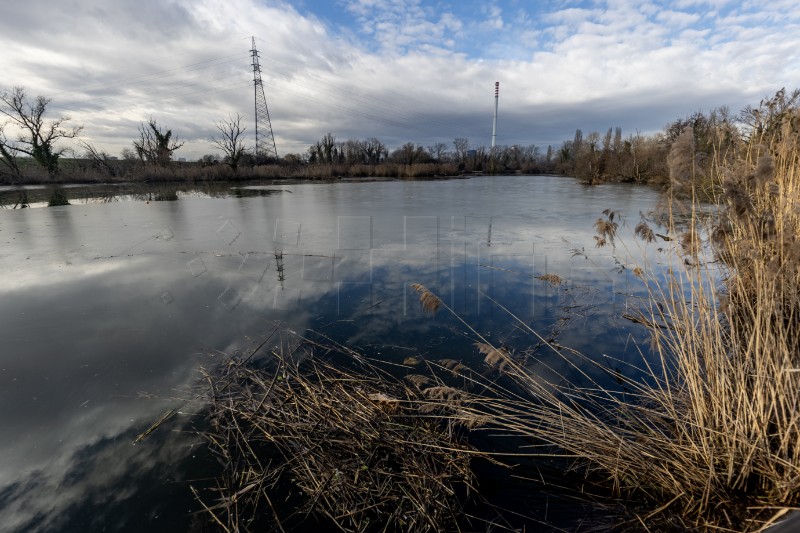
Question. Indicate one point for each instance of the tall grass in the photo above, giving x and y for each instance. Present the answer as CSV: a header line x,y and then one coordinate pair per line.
x,y
710,438
84,171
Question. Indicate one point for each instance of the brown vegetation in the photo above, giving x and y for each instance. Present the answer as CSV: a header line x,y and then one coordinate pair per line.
x,y
112,170
352,446
711,437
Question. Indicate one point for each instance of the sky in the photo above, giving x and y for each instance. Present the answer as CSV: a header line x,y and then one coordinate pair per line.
x,y
400,70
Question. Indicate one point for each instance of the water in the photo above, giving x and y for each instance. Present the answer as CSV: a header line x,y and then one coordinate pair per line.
x,y
109,306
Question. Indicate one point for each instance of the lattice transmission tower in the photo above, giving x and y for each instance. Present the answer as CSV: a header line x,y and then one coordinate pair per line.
x,y
265,140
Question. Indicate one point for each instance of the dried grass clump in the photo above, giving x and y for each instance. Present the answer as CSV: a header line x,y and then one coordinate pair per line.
x,y
494,357
430,302
455,405
448,395
418,380
765,170
351,445
552,279
644,232
606,229
455,367
412,360
759,238
682,161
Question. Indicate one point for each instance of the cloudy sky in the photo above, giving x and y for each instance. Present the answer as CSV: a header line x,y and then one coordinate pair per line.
x,y
399,70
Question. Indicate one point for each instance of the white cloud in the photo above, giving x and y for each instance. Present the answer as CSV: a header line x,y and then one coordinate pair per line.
x,y
404,70
677,19
399,25
493,18
683,4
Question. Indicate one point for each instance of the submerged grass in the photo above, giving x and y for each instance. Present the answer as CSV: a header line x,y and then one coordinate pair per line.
x,y
350,446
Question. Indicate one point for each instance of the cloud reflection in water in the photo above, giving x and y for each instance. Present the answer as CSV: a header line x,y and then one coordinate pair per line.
x,y
100,302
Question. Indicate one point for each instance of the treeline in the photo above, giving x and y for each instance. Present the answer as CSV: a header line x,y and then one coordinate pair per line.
x,y
712,139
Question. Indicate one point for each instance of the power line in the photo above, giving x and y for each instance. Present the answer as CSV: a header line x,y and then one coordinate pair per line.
x,y
265,140
166,86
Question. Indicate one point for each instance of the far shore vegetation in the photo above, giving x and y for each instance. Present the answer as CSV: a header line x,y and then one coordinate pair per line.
x,y
33,150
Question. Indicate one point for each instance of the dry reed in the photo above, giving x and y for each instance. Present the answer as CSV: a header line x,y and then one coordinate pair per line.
x,y
86,171
606,228
430,302
354,446
552,279
710,438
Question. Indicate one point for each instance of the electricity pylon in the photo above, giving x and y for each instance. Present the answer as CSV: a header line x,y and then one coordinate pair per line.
x,y
265,140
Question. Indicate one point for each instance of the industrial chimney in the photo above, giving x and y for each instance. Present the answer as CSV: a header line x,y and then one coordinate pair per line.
x,y
494,122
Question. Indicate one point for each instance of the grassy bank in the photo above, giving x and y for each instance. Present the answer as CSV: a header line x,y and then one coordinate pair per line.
x,y
86,171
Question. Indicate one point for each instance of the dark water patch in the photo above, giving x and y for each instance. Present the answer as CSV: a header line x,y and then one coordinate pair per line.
x,y
112,485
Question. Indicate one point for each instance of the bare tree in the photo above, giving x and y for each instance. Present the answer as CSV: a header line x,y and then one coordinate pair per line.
x,y
36,136
209,160
130,155
328,148
438,151
155,146
461,145
8,155
374,151
293,159
410,154
548,158
764,121
231,140
100,159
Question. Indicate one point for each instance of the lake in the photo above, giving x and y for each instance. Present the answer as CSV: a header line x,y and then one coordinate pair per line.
x,y
109,306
